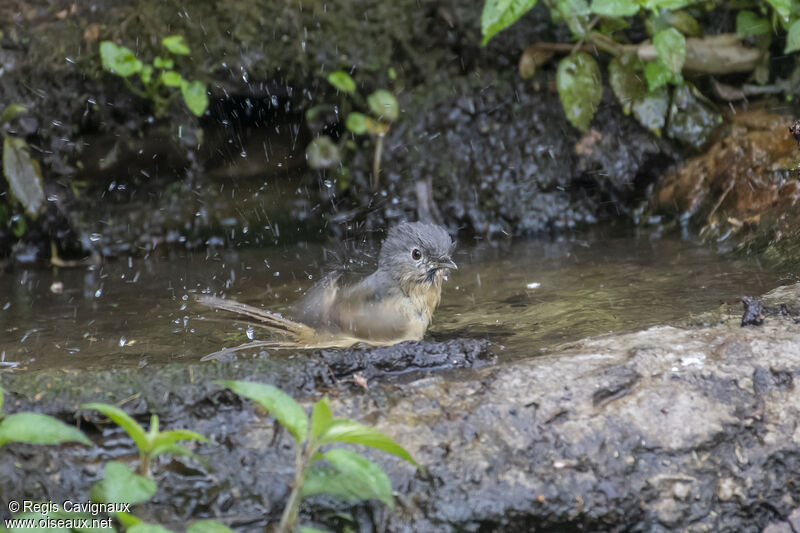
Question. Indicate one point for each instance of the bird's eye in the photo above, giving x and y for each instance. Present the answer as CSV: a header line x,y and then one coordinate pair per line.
x,y
416,255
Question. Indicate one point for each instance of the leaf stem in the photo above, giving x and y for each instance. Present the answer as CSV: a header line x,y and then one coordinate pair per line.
x,y
292,509
376,161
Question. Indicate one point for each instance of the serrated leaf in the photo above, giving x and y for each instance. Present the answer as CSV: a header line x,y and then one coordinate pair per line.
x,y
23,175
657,74
11,112
123,420
36,428
279,404
626,77
170,78
356,123
498,15
748,23
346,430
793,38
384,105
119,60
322,152
615,8
195,96
208,526
651,109
579,88
342,81
321,418
670,46
176,44
120,485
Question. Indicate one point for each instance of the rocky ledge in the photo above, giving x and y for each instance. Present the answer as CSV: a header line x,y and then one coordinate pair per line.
x,y
674,428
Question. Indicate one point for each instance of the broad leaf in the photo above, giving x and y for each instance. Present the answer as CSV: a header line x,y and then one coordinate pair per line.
x,y
123,420
120,485
793,37
342,81
36,428
670,46
748,23
346,430
11,112
127,519
279,404
332,482
321,418
384,105
23,175
657,74
148,528
164,441
615,8
361,469
651,109
356,123
782,7
575,13
322,152
498,15
119,60
208,526
170,78
669,5
176,44
579,88
306,529
626,78
195,96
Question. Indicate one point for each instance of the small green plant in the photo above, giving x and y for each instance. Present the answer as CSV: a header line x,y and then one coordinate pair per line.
x,y
158,82
36,428
151,443
383,110
24,177
647,77
337,472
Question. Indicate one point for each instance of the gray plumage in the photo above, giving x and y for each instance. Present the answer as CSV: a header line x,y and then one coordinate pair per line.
x,y
393,304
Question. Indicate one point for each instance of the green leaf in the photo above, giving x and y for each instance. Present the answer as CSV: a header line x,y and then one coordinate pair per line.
x,y
330,481
23,175
384,105
164,441
176,44
498,15
346,430
670,5
782,7
657,74
322,152
356,123
793,37
170,78
146,74
11,112
748,23
683,22
670,46
280,405
1,403
651,109
321,418
361,469
579,88
306,529
626,77
35,517
342,81
36,428
123,420
148,528
163,62
615,8
208,526
575,13
127,519
173,449
119,59
120,485
195,97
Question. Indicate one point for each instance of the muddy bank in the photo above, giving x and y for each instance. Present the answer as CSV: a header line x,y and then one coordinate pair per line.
x,y
671,428
492,152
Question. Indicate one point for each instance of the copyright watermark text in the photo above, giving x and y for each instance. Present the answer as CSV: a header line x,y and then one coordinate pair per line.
x,y
68,514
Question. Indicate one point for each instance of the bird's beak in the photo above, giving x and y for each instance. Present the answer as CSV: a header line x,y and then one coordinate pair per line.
x,y
446,262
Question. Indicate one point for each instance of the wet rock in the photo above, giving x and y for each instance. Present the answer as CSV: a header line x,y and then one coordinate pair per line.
x,y
670,428
753,312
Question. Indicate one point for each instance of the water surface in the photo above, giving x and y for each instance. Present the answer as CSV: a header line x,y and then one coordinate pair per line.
x,y
527,297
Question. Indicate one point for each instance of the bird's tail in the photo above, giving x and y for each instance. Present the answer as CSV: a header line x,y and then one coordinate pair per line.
x,y
295,334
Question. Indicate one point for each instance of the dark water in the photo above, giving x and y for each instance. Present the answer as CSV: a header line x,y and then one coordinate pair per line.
x,y
527,296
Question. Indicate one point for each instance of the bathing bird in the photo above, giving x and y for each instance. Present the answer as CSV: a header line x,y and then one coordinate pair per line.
x,y
393,304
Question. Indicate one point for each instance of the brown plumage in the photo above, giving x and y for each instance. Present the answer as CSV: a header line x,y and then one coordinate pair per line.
x,y
393,304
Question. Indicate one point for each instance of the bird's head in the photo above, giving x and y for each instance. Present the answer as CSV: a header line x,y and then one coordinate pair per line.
x,y
417,253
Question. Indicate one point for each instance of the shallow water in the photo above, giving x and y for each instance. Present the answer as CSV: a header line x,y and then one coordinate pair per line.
x,y
527,297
